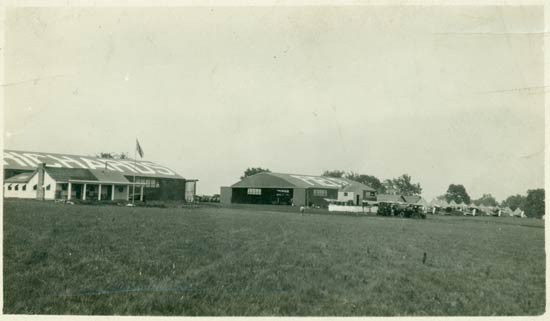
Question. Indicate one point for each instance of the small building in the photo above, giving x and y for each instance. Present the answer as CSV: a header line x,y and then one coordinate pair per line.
x,y
294,189
356,193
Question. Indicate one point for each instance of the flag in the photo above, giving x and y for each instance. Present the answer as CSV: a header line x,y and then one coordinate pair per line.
x,y
138,149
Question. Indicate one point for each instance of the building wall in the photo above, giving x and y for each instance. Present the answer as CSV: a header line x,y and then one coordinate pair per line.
x,y
352,196
367,195
272,196
299,198
20,193
346,196
190,191
123,194
226,194
30,192
167,189
318,200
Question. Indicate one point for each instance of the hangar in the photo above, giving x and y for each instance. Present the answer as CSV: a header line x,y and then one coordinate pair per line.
x,y
294,189
59,176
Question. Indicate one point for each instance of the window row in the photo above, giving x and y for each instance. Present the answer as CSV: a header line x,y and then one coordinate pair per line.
x,y
320,192
149,182
254,191
15,187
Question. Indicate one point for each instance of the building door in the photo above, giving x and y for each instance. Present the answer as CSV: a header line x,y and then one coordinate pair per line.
x,y
357,199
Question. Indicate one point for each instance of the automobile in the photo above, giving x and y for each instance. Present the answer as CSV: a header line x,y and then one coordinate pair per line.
x,y
401,210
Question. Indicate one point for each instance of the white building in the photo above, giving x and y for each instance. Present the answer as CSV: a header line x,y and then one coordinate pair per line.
x,y
58,176
58,183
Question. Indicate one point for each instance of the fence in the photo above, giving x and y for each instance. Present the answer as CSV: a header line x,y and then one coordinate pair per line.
x,y
352,208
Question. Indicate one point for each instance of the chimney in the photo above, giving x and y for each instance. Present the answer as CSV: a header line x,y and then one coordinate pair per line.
x,y
40,185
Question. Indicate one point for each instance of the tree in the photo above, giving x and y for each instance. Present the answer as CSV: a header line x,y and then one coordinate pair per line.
x,y
514,202
534,203
486,200
403,185
442,197
254,170
368,180
334,173
457,193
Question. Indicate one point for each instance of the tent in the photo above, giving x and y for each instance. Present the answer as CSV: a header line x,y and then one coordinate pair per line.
x,y
423,202
507,211
519,213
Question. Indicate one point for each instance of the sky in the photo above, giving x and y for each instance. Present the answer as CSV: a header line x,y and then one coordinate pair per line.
x,y
448,95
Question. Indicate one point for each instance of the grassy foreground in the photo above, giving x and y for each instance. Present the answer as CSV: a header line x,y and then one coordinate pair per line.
x,y
63,259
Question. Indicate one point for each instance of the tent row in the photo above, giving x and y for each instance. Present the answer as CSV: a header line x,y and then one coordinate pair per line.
x,y
437,205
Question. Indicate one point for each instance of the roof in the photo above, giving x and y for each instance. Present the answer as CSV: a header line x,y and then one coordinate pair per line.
x,y
24,160
66,174
356,186
280,180
423,202
20,178
73,174
109,176
390,198
413,199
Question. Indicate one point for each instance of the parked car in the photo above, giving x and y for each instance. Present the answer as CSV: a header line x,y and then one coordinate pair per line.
x,y
401,210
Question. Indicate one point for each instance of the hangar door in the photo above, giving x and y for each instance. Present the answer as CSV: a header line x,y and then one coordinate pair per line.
x,y
274,196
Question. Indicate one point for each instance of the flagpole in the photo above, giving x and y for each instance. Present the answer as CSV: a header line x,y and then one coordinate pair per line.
x,y
134,185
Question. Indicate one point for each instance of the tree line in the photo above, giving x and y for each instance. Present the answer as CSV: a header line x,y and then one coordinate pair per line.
x,y
532,203
401,185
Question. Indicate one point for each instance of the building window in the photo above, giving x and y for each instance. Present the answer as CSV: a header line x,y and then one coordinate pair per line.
x,y
320,192
48,187
34,187
64,187
345,193
372,194
254,191
120,188
9,187
24,187
16,187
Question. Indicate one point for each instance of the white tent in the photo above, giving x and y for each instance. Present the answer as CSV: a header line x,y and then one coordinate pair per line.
x,y
507,211
519,213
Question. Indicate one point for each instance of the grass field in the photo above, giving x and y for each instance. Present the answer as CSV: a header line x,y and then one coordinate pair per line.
x,y
79,259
